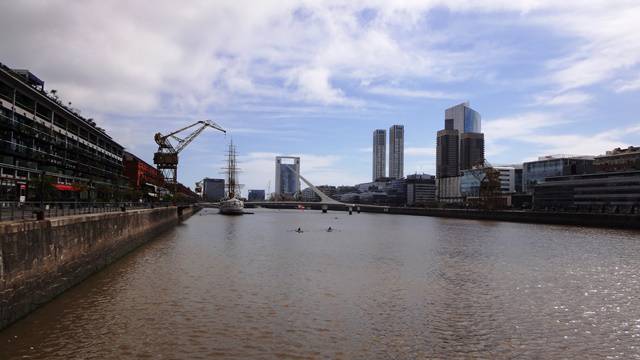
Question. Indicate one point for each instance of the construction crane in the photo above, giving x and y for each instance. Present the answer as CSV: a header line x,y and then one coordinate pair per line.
x,y
166,158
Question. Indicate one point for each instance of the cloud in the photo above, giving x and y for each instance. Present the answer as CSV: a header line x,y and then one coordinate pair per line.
x,y
313,84
399,92
567,98
539,134
627,86
519,126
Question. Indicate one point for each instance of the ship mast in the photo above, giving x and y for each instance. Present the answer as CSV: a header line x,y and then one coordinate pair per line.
x,y
232,169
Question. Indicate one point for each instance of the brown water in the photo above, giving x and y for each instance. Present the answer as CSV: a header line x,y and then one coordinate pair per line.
x,y
379,287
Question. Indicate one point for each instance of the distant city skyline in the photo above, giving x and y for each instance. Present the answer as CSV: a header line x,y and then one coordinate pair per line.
x,y
313,80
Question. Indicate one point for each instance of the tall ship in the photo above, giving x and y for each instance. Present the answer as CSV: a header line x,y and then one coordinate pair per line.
x,y
231,205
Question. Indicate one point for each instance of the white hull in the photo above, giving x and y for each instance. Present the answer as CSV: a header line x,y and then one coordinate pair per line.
x,y
231,207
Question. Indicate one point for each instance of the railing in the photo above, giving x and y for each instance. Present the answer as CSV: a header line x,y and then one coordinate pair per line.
x,y
13,210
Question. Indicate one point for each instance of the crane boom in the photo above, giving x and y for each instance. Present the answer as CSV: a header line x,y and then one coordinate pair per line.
x,y
166,158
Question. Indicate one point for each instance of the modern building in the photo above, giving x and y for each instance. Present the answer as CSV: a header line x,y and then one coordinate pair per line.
x,y
448,189
213,189
460,146
396,151
615,192
471,150
379,154
309,195
256,195
421,189
471,179
447,153
463,118
510,182
618,160
287,176
39,136
535,172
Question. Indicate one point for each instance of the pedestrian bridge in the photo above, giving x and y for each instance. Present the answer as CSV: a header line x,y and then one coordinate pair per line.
x,y
324,199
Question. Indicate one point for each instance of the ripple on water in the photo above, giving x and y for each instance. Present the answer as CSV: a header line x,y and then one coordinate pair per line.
x,y
378,287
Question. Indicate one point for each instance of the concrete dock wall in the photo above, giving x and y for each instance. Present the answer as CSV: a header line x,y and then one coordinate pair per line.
x,y
41,259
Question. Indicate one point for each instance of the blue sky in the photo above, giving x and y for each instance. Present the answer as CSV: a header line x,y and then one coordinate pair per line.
x,y
315,78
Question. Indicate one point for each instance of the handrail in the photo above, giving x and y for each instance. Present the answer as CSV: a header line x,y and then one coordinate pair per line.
x,y
35,210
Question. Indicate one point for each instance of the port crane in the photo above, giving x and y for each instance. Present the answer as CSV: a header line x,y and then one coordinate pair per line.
x,y
166,158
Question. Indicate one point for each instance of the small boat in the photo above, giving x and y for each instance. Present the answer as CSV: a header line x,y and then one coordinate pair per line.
x,y
231,205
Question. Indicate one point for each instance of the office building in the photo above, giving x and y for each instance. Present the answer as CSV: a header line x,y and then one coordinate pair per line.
x,y
447,153
618,160
448,189
379,154
213,189
287,176
463,118
471,179
509,179
614,192
256,195
421,189
535,172
460,146
471,150
41,136
309,195
396,152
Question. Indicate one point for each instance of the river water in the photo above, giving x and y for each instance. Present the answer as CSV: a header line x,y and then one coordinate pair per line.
x,y
378,287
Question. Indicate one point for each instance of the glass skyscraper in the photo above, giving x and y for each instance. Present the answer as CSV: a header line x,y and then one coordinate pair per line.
x,y
463,118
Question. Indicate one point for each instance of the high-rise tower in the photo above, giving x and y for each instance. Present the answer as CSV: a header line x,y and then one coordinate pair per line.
x,y
462,128
379,153
396,151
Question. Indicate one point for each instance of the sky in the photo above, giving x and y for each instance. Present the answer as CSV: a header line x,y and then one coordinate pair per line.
x,y
315,78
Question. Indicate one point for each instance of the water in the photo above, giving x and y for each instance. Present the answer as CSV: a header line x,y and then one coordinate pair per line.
x,y
378,287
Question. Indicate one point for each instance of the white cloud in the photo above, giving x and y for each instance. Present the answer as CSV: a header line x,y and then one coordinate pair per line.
x,y
567,98
627,86
519,126
538,132
314,85
425,94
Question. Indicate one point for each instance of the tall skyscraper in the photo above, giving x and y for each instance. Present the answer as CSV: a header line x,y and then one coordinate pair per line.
x,y
287,175
471,150
396,151
447,153
463,118
461,143
379,153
